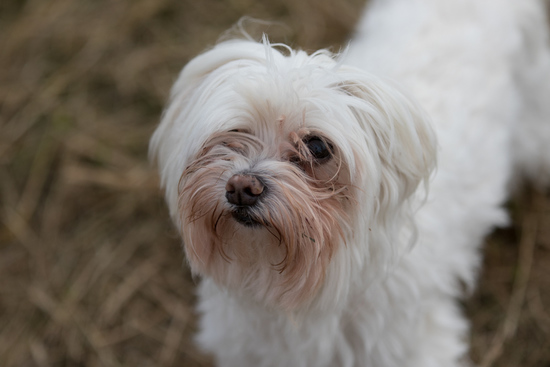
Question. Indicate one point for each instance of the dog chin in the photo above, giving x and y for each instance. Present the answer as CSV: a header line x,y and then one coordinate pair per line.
x,y
243,216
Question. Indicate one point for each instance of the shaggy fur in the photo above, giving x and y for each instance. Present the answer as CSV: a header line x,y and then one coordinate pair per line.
x,y
340,255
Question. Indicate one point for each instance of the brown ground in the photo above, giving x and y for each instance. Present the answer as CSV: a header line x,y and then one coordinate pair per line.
x,y
90,268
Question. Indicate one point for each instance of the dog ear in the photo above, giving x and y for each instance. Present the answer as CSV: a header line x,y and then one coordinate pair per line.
x,y
186,119
215,58
196,83
401,131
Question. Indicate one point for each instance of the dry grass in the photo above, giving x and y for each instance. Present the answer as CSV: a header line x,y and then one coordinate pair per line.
x,y
90,268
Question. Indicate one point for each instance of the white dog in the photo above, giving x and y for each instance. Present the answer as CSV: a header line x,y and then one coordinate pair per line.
x,y
300,182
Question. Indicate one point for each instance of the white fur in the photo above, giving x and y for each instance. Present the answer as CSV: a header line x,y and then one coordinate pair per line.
x,y
481,71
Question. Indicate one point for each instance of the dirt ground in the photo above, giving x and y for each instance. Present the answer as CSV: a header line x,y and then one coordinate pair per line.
x,y
91,270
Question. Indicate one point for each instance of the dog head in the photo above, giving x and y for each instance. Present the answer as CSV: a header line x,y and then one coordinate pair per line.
x,y
275,161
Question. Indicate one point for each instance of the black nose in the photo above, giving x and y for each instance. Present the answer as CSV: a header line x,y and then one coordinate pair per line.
x,y
243,190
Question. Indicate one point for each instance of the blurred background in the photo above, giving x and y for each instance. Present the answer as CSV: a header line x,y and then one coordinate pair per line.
x,y
91,270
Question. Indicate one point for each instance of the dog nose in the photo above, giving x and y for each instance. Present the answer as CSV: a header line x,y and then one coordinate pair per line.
x,y
243,190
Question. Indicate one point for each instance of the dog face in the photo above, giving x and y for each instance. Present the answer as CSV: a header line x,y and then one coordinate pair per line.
x,y
265,210
273,164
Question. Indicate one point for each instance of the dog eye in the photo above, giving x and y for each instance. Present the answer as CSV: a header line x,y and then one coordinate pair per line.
x,y
319,148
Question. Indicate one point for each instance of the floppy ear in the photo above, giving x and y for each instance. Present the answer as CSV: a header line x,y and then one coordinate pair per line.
x,y
401,131
222,54
198,76
190,115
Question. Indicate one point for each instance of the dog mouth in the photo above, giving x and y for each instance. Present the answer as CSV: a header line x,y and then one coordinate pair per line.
x,y
244,217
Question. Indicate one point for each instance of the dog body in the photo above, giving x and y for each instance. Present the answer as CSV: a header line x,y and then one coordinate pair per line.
x,y
305,190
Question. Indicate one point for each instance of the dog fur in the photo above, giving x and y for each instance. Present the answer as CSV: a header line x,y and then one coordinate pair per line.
x,y
356,247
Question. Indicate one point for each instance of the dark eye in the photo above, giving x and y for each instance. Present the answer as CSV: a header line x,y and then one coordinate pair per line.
x,y
319,149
